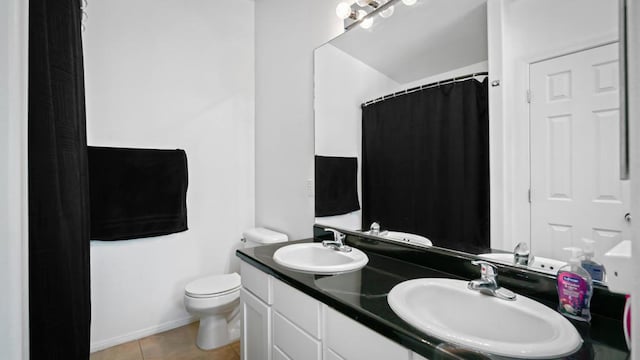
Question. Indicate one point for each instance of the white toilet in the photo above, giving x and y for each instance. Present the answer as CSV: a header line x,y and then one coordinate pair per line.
x,y
215,299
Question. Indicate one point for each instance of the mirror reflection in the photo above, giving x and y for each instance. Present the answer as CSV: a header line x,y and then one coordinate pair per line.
x,y
480,126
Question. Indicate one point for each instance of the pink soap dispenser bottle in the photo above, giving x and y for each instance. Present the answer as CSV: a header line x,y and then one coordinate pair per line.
x,y
575,287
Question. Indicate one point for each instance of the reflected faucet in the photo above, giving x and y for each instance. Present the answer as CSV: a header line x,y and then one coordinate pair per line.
x,y
338,241
522,254
374,229
487,284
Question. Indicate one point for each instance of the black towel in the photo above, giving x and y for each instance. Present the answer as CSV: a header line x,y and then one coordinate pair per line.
x,y
137,193
336,185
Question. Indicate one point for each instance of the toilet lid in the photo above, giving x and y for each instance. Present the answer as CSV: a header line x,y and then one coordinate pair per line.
x,y
213,285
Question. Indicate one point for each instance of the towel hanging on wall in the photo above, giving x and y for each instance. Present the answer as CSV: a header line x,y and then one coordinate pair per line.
x,y
137,193
336,185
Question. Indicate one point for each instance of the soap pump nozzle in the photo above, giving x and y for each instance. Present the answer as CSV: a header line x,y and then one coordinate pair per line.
x,y
596,270
576,253
588,250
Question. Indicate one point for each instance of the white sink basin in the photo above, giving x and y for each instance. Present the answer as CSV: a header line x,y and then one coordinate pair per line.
x,y
446,309
407,238
542,264
315,258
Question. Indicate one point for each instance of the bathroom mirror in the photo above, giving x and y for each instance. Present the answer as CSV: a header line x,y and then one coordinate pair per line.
x,y
527,152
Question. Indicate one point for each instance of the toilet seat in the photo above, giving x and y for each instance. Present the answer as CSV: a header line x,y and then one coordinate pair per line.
x,y
213,286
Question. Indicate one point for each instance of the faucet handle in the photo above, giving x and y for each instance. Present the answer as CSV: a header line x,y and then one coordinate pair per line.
x,y
487,269
337,235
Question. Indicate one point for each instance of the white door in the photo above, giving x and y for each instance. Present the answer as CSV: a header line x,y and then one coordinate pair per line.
x,y
575,187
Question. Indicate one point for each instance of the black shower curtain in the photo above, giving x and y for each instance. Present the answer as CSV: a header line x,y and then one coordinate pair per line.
x,y
59,290
425,164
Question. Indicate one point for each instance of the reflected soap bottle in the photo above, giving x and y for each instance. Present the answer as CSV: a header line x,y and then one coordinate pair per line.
x,y
574,288
595,269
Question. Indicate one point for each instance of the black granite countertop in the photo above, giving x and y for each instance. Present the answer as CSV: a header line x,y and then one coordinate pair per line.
x,y
362,296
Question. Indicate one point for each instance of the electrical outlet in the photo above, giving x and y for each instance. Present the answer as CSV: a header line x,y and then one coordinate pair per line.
x,y
310,188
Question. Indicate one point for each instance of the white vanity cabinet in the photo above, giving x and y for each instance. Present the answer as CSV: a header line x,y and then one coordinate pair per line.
x,y
278,321
283,323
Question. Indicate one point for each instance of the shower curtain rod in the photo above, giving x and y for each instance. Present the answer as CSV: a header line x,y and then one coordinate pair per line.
x,y
422,87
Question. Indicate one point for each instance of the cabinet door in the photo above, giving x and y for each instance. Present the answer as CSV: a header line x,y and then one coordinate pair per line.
x,y
255,343
350,340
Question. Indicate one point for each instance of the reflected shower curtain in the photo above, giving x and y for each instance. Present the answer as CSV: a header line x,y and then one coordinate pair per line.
x,y
425,164
59,290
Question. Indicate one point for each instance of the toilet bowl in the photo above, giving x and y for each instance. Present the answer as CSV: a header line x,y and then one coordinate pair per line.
x,y
215,299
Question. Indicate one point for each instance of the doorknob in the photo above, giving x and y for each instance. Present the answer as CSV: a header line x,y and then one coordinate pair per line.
x,y
627,217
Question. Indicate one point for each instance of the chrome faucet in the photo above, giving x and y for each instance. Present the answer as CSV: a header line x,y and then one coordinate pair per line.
x,y
522,255
338,241
487,284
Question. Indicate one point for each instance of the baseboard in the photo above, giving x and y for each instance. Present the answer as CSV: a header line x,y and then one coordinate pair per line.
x,y
138,334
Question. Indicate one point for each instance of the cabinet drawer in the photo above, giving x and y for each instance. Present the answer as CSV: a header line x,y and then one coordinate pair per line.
x,y
256,281
293,342
297,307
363,342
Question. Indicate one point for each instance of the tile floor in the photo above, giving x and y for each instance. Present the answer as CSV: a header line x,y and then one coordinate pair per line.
x,y
176,344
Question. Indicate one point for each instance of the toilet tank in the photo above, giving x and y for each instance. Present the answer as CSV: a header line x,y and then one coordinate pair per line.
x,y
261,236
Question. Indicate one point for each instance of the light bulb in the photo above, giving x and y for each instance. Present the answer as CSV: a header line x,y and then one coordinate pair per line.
x,y
343,10
362,3
387,12
409,2
366,23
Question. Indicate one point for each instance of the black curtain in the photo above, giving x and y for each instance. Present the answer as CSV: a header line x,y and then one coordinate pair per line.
x,y
59,290
425,164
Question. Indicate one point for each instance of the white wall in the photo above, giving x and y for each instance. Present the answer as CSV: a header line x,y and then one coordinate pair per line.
x,y
342,83
287,31
530,31
168,74
14,304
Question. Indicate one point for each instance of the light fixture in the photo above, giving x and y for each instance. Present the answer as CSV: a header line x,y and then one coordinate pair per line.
x,y
409,2
364,3
343,10
387,12
356,12
366,23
